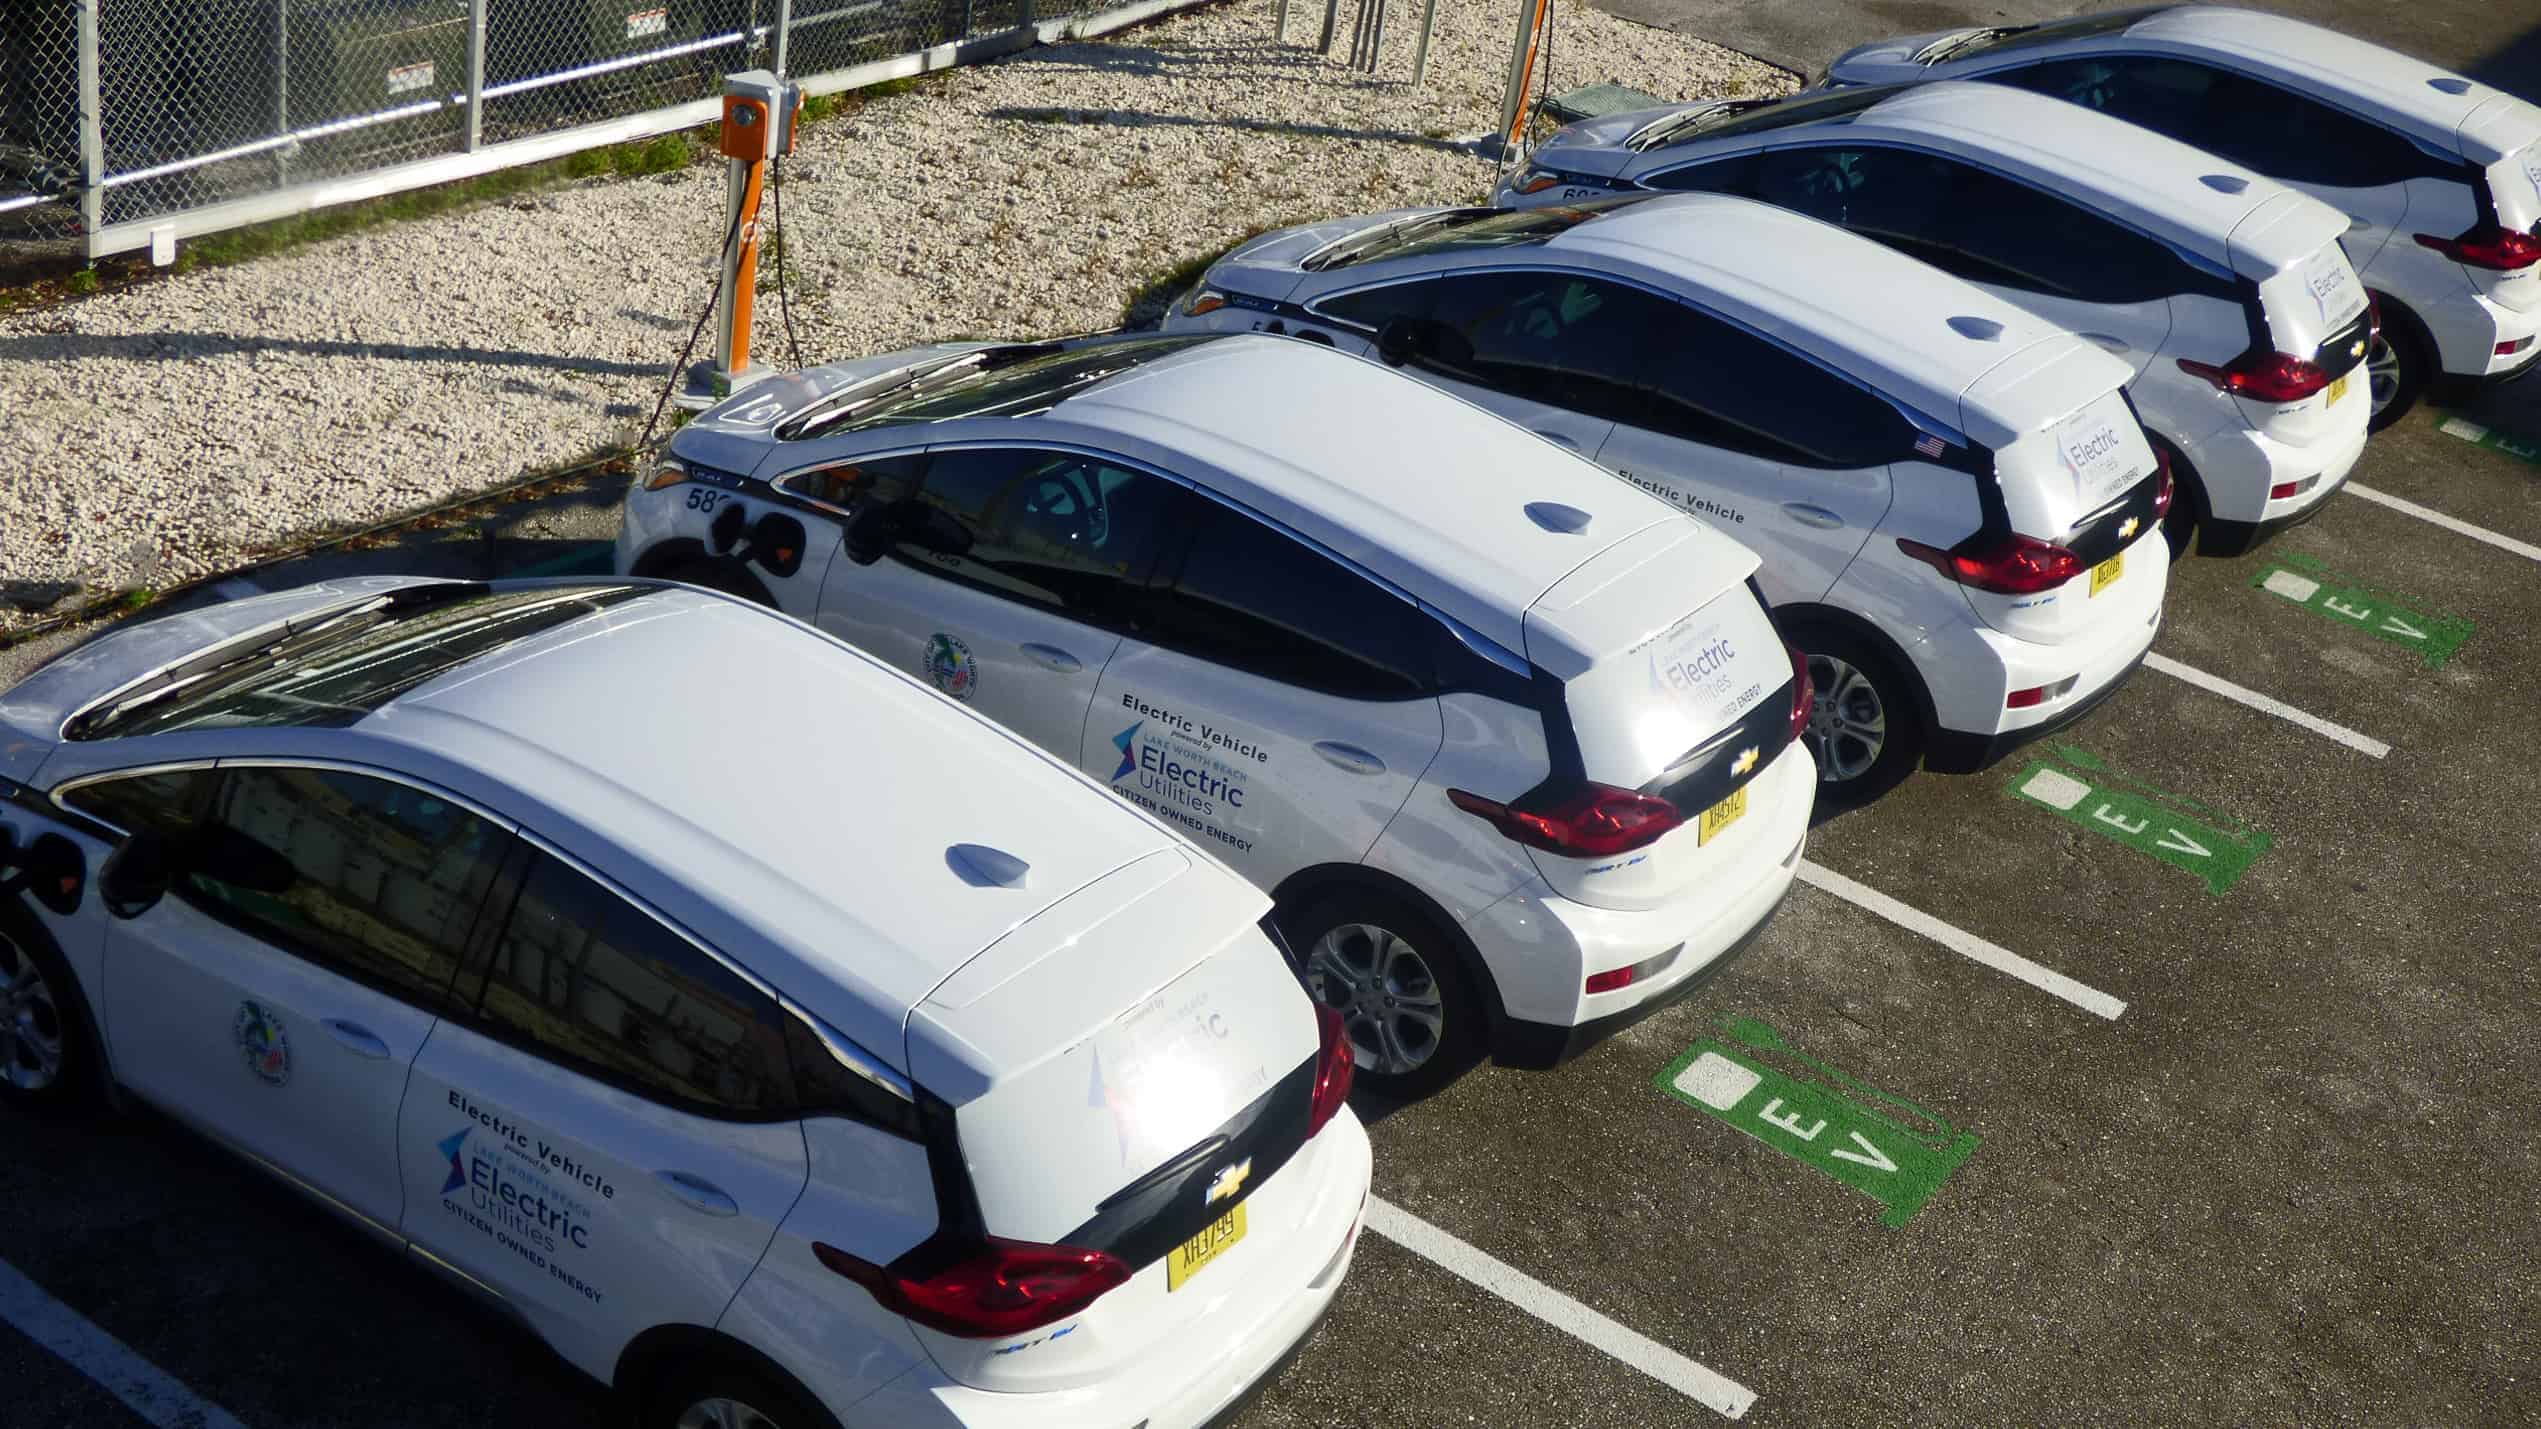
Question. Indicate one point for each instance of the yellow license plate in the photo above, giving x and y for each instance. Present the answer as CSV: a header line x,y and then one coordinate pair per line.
x,y
1720,816
1195,1255
2105,574
2338,388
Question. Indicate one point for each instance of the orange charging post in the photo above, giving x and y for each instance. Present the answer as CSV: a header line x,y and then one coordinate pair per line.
x,y
758,127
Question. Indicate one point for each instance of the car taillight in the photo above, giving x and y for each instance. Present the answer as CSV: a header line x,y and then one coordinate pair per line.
x,y
1335,1065
2168,489
2007,565
1596,821
2262,376
1535,181
1004,1288
1803,694
2492,246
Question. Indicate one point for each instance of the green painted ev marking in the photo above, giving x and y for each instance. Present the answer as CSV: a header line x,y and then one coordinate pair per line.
x,y
2177,830
1871,1150
2322,591
2489,437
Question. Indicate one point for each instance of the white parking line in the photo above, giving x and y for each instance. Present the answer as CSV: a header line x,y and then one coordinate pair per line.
x,y
142,1386
2364,744
1706,1387
1960,941
2453,524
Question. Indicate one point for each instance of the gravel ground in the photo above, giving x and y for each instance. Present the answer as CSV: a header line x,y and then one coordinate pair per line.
x,y
157,434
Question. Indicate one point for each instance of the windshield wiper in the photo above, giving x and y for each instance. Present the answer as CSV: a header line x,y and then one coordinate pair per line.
x,y
1359,246
1941,50
1659,132
919,382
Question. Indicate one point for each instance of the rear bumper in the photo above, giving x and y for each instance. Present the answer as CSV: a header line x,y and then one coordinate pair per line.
x,y
1540,1045
2222,537
2511,368
2467,330
2238,466
1954,751
1971,670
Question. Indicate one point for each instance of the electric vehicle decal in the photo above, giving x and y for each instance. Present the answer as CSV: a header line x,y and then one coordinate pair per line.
x,y
1189,772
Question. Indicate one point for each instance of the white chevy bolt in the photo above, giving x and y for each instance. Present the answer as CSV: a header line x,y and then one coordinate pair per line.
x,y
1512,745
1956,506
2438,175
2225,293
783,1047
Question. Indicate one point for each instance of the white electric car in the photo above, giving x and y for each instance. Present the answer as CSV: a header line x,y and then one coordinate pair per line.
x,y
1512,745
2226,294
1956,506
2439,176
784,1047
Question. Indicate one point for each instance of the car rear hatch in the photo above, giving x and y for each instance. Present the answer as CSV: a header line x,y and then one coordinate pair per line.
x,y
2299,382
2083,485
1125,1071
2504,135
1679,695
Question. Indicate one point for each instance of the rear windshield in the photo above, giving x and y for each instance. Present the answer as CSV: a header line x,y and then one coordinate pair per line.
x,y
993,382
1754,116
348,665
1458,229
2014,37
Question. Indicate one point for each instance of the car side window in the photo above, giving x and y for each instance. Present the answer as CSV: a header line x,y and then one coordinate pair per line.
x,y
169,802
844,485
2249,121
1255,599
372,879
1894,196
1718,176
1555,338
593,983
1714,383
1061,530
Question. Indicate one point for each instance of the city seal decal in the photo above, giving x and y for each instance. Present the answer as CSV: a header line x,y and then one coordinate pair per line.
x,y
262,1043
949,664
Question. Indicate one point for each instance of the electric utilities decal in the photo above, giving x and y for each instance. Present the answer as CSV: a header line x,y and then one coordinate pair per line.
x,y
1190,772
522,1192
2335,290
1700,666
948,662
1143,1074
262,1043
2192,837
1887,1148
2093,447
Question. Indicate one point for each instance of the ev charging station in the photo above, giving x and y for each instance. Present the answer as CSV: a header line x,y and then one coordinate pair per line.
x,y
759,112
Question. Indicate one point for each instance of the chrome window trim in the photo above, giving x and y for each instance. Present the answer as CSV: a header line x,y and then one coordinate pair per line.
x,y
778,482
61,792
849,1055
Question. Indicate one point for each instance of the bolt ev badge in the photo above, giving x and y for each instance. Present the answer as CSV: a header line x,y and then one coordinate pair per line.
x,y
1228,1181
1745,761
2127,531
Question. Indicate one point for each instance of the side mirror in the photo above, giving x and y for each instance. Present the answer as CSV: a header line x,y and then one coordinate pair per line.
x,y
1398,341
136,876
51,867
869,529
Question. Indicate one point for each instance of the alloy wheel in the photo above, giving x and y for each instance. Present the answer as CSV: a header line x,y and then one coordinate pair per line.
x,y
722,1413
1848,722
2382,371
30,1023
1386,993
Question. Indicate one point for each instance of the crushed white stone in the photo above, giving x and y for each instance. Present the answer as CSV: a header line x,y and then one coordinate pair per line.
x,y
173,429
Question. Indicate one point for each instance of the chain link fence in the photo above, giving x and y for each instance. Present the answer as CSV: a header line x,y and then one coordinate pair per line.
x,y
208,114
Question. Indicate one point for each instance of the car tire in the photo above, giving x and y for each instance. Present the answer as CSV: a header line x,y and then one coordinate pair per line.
x,y
717,1397
1866,726
721,575
2188,508
2399,365
47,1065
1400,983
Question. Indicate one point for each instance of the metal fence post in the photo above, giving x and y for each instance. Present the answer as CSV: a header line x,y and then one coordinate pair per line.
x,y
784,32
1420,61
92,127
282,89
476,75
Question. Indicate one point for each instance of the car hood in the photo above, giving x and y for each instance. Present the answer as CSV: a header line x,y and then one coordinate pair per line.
x,y
1595,147
1891,60
33,711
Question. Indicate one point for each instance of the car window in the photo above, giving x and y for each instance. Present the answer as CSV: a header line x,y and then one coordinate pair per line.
x,y
1555,338
1255,599
169,802
384,881
1062,530
1734,175
593,983
2249,121
844,484
1715,383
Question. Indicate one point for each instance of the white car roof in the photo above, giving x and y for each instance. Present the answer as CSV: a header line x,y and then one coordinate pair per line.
x,y
1861,307
2382,82
1420,487
2154,184
789,799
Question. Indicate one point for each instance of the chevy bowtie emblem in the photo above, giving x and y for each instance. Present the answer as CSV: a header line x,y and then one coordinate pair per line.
x,y
2130,528
1745,761
2356,351
1228,1182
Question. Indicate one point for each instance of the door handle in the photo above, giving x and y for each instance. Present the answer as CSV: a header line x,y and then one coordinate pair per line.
x,y
1558,439
2117,345
697,1193
1349,756
1052,657
359,1040
1808,515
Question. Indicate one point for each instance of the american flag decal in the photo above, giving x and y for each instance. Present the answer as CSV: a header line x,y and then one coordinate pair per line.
x,y
1929,445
